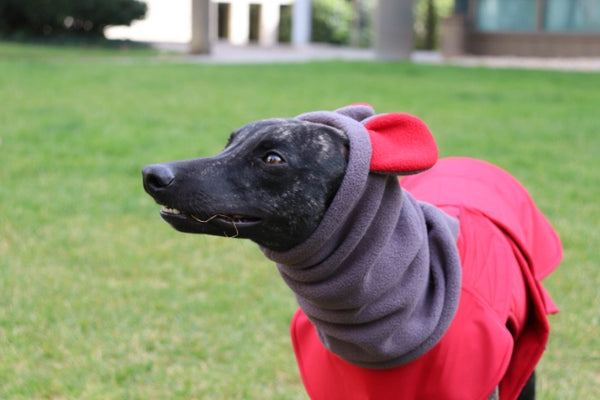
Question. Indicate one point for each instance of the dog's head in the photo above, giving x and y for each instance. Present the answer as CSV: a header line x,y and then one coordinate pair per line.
x,y
272,183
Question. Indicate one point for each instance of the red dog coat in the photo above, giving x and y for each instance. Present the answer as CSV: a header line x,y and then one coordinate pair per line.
x,y
500,330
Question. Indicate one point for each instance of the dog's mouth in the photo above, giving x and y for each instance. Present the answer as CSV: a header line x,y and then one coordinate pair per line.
x,y
235,222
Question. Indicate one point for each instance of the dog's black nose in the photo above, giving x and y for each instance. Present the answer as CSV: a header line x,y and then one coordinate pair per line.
x,y
157,177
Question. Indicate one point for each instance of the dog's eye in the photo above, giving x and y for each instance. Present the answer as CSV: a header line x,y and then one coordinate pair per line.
x,y
273,158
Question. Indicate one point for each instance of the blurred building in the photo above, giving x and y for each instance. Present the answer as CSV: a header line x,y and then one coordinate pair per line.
x,y
237,21
199,23
539,28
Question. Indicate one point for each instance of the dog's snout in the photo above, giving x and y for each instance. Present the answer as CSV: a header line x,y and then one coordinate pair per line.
x,y
157,177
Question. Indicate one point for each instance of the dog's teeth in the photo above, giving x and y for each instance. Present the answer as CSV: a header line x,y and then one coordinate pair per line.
x,y
171,210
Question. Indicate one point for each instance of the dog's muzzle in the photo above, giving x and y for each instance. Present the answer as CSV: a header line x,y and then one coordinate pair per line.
x,y
159,181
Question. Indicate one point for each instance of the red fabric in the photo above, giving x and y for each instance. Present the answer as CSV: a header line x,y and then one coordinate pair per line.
x,y
401,144
502,267
482,186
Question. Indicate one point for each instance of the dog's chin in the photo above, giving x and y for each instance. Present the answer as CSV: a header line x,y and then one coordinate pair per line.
x,y
218,224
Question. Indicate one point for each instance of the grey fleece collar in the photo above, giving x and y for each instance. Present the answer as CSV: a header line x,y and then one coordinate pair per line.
x,y
380,277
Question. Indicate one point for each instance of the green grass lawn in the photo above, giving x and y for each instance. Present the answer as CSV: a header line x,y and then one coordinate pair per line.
x,y
102,300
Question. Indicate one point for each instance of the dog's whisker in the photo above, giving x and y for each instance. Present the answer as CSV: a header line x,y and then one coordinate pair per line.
x,y
237,233
205,221
227,217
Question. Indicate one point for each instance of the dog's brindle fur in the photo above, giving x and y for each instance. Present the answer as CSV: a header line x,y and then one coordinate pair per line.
x,y
272,184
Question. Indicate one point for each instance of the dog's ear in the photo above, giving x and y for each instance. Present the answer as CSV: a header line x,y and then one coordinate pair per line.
x,y
401,144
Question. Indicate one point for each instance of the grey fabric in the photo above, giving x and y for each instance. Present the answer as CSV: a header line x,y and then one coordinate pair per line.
x,y
380,276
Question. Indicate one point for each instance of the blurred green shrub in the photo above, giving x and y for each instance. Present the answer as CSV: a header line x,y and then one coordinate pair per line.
x,y
331,21
342,21
428,14
21,19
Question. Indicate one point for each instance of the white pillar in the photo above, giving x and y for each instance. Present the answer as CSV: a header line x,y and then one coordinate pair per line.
x,y
301,22
268,34
201,34
394,29
239,22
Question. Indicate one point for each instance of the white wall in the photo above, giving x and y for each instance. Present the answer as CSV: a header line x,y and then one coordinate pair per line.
x,y
166,21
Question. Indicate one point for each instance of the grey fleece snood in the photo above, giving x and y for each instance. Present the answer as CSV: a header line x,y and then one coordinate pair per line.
x,y
380,276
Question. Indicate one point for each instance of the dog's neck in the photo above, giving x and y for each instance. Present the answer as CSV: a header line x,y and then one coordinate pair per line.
x,y
383,286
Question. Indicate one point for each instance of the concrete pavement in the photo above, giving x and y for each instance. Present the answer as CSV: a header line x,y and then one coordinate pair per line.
x,y
225,53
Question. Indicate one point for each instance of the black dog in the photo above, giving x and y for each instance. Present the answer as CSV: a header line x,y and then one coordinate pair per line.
x,y
272,183
279,182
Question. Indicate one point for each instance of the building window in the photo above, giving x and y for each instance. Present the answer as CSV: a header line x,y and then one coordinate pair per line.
x,y
534,15
506,15
572,15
